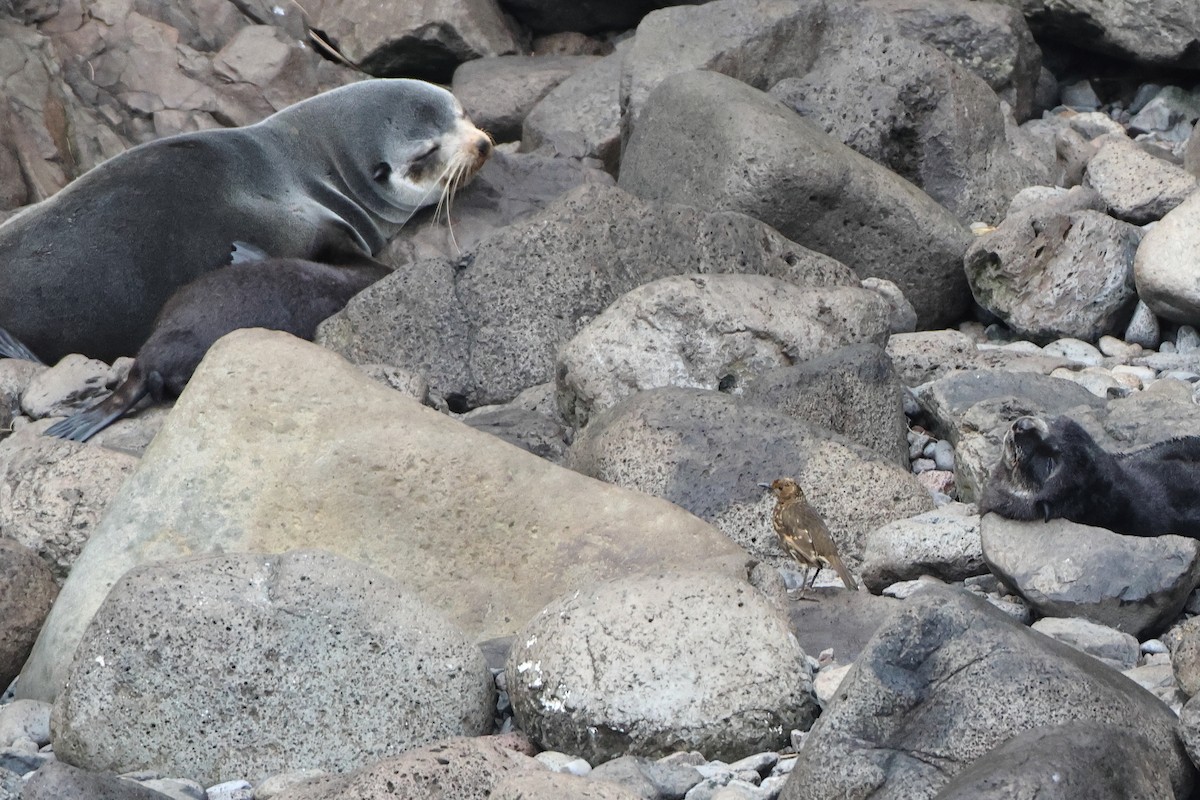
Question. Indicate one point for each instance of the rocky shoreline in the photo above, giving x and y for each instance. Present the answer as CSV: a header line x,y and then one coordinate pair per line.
x,y
499,531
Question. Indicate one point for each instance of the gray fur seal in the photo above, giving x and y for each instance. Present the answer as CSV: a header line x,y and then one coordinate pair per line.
x,y
289,295
1051,470
328,179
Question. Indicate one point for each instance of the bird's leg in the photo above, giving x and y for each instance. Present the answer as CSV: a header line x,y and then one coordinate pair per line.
x,y
813,583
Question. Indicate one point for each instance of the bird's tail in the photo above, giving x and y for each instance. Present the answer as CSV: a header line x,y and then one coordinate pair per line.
x,y
843,573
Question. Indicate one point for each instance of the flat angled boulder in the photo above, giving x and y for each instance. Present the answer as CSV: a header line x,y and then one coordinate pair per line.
x,y
278,444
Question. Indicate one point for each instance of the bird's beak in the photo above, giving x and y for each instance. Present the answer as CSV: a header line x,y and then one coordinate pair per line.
x,y
765,485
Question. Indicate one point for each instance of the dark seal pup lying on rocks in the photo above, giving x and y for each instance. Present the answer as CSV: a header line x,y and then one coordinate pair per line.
x,y
286,294
1056,470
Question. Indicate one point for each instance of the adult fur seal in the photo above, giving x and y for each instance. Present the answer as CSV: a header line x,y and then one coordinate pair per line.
x,y
1057,470
281,294
328,179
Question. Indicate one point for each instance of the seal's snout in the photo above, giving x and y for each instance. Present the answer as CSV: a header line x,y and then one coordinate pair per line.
x,y
484,147
1025,425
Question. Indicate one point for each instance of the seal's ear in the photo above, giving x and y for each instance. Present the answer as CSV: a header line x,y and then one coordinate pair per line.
x,y
1044,509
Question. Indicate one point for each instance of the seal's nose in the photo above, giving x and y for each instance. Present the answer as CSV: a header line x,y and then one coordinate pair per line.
x,y
1024,424
484,146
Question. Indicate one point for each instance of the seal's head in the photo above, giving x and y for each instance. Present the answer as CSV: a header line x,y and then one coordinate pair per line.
x,y
1029,455
397,144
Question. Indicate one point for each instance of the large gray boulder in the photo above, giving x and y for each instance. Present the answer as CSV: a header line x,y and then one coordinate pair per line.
x,y
295,661
301,450
489,326
1159,32
59,781
1135,584
948,678
1072,761
912,109
690,661
853,390
707,452
454,769
497,93
1058,268
708,332
759,158
27,590
1136,186
944,543
1166,264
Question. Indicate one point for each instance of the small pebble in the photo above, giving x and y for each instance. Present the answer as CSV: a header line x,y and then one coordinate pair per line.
x,y
1014,607
1076,350
1080,96
827,682
283,782
903,589
1143,328
943,455
179,789
1186,339
1115,348
762,763
562,762
1151,646
231,790
920,465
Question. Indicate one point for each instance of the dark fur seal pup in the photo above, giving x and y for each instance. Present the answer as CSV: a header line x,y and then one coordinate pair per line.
x,y
329,179
281,294
1056,470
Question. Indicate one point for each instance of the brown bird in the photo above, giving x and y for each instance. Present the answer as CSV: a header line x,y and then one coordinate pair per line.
x,y
802,532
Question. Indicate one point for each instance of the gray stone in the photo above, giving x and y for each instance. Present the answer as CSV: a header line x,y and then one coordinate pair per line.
x,y
1167,261
55,493
943,455
1117,649
929,355
25,719
1158,679
399,39
1191,154
317,622
497,93
989,39
1074,761
1136,186
549,16
581,117
27,591
1132,583
1080,96
1050,272
853,391
454,769
760,158
912,713
1075,350
562,762
508,188
557,786
536,433
909,108
1189,728
947,401
360,470
707,332
1185,657
903,317
74,382
59,781
748,681
836,622
707,452
944,543
650,779
1161,32
1170,106
490,327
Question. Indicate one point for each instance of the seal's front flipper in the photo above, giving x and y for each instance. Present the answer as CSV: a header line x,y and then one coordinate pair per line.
x,y
11,347
244,253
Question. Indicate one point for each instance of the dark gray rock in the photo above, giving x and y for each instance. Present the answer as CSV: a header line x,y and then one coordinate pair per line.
x,y
943,543
853,391
250,644
1074,761
929,355
844,622
27,590
708,332
648,778
528,430
61,781
1110,646
1132,583
1057,268
1136,186
946,679
581,117
707,452
1163,32
759,158
497,93
490,325
947,400
1165,265
509,187
990,39
910,108
748,682
1185,656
